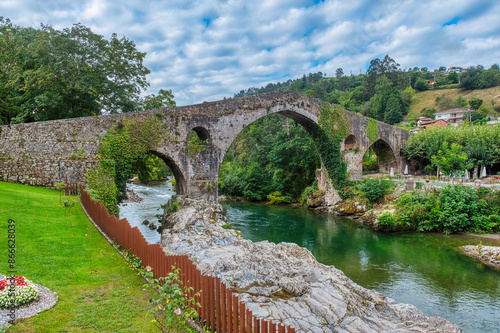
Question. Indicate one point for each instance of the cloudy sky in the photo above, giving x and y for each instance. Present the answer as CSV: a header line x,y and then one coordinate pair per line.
x,y
207,50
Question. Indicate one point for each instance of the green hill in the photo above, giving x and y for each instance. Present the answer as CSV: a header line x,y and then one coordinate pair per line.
x,y
490,96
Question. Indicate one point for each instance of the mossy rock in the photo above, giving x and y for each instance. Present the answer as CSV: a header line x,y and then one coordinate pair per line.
x,y
350,208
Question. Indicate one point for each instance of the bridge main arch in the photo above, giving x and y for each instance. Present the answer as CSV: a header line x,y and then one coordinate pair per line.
x,y
224,120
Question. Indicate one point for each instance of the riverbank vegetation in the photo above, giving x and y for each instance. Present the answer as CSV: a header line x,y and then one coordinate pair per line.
x,y
63,251
450,209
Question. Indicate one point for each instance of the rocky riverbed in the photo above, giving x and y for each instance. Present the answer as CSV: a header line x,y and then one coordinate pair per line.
x,y
284,282
488,255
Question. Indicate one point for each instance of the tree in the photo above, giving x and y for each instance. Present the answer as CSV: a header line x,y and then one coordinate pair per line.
x,y
478,152
442,69
470,78
428,112
52,74
164,99
453,78
339,73
393,113
387,67
475,103
450,159
421,85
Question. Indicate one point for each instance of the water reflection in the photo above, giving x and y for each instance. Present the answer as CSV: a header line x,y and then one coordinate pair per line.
x,y
426,270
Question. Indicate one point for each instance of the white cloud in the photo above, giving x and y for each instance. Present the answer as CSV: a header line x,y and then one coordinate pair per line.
x,y
205,50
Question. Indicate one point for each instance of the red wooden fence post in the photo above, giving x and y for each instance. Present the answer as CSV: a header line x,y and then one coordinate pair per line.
x,y
229,310
263,325
223,307
242,317
218,303
235,314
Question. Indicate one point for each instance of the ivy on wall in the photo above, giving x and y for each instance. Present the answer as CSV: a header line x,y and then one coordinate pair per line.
x,y
334,122
372,130
123,152
334,126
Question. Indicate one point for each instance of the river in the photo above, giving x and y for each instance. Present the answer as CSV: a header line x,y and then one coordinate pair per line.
x,y
423,269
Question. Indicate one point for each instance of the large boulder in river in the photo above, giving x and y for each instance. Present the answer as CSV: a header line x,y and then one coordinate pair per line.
x,y
284,282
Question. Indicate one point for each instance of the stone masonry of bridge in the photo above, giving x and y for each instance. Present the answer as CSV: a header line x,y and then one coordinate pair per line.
x,y
45,153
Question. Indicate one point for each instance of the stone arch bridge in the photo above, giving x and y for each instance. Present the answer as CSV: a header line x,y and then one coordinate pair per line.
x,y
44,153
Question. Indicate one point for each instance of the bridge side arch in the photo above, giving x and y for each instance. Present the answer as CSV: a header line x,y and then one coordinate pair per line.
x,y
386,155
180,180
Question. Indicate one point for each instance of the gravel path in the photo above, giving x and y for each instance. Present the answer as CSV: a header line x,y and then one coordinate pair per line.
x,y
46,300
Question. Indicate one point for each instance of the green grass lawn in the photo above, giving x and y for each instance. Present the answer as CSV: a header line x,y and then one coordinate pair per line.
x,y
98,291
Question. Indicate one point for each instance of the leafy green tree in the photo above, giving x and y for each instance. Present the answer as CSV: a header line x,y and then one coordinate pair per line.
x,y
264,159
453,78
164,99
450,159
421,85
475,103
339,72
478,153
428,112
53,74
394,111
470,78
473,116
489,78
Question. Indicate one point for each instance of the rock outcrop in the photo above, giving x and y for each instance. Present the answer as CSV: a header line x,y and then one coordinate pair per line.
x,y
284,282
488,255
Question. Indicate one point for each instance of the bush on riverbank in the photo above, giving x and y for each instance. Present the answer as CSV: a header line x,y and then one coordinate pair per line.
x,y
375,189
451,209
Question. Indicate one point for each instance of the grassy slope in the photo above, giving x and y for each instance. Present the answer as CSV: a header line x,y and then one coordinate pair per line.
x,y
428,98
59,254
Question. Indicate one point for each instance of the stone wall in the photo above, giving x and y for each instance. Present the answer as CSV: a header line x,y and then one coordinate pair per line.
x,y
44,153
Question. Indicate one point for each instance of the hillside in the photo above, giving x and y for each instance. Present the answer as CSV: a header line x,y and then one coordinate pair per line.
x,y
491,97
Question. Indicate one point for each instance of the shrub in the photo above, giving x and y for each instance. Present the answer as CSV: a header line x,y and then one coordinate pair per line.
x,y
375,189
252,196
370,165
308,192
172,304
387,221
459,205
275,198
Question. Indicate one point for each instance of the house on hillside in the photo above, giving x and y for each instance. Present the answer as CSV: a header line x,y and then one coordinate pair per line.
x,y
423,123
451,116
456,69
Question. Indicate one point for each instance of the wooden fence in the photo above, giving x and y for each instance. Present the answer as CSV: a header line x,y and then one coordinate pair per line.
x,y
220,311
70,188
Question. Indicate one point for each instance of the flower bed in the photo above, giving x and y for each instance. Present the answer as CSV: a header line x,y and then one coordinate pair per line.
x,y
23,291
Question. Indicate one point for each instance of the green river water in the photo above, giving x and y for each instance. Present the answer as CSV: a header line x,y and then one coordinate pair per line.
x,y
426,270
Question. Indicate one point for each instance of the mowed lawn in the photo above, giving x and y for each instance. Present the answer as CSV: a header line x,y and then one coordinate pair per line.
x,y
98,291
